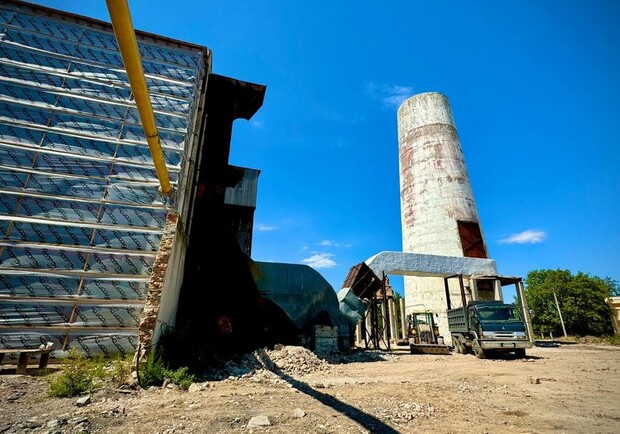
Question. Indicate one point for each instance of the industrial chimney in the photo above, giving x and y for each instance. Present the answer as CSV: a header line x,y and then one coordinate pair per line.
x,y
438,210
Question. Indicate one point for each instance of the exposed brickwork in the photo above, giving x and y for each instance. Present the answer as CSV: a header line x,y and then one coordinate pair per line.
x,y
156,284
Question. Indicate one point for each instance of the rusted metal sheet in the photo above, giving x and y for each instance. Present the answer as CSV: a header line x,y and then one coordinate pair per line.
x,y
365,283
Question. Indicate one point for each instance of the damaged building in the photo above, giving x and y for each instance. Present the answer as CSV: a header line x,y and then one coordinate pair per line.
x,y
93,255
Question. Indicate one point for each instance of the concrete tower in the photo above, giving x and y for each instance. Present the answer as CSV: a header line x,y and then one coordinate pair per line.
x,y
438,210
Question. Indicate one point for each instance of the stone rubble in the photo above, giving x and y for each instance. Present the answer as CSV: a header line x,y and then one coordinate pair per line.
x,y
269,365
260,420
83,401
298,413
298,361
404,413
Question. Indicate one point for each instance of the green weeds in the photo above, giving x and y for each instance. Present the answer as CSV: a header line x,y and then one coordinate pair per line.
x,y
79,374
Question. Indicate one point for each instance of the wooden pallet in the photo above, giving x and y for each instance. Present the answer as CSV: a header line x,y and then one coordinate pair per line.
x,y
24,357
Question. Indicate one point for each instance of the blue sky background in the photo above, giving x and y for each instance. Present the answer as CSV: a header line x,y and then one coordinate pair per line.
x,y
534,88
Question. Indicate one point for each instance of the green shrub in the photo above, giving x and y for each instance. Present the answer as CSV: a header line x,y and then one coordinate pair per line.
x,y
119,370
79,374
155,371
76,376
613,340
98,367
182,378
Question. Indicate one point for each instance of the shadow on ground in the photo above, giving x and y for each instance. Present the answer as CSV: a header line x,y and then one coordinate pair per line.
x,y
552,344
366,420
355,356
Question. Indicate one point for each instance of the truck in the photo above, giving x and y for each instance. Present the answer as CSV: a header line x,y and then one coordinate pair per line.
x,y
489,326
424,335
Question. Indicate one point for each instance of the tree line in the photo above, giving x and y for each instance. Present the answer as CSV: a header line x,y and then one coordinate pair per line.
x,y
581,298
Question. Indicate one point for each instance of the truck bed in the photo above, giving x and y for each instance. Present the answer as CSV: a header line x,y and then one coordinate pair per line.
x,y
457,320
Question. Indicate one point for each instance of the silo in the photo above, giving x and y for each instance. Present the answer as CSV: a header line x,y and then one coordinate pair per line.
x,y
438,209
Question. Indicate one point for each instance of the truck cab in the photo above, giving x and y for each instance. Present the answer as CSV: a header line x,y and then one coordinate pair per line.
x,y
490,326
498,326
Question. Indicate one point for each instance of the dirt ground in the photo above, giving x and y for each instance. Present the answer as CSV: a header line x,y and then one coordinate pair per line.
x,y
571,388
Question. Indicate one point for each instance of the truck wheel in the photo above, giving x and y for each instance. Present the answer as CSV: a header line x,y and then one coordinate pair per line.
x,y
458,346
479,351
520,353
465,348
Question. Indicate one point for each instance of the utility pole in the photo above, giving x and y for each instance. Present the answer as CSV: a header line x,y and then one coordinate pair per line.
x,y
557,305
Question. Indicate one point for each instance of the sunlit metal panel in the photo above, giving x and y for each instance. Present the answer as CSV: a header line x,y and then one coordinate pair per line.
x,y
80,213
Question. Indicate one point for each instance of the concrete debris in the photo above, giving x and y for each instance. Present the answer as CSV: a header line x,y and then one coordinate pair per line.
x,y
272,365
298,413
198,387
298,361
195,387
83,401
404,413
80,420
257,421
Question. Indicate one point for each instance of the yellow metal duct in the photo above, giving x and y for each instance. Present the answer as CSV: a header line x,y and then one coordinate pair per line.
x,y
128,45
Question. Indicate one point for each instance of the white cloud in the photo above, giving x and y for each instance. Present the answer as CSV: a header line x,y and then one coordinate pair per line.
x,y
263,227
320,260
529,236
391,96
329,243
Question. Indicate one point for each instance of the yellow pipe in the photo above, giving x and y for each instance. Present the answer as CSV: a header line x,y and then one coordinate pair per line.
x,y
128,45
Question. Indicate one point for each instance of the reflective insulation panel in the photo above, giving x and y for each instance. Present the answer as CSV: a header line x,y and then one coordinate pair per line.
x,y
80,213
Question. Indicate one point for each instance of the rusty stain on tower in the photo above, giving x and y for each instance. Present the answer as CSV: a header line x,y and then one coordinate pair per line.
x,y
438,209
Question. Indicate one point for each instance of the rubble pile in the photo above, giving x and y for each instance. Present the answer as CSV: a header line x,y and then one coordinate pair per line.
x,y
268,365
294,360
405,412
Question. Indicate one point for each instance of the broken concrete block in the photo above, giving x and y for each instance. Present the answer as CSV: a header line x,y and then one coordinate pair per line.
x,y
257,421
83,401
298,413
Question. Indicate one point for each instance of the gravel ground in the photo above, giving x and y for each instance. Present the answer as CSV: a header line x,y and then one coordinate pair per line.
x,y
571,388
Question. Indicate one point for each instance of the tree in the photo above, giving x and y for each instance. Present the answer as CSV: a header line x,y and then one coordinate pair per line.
x,y
581,298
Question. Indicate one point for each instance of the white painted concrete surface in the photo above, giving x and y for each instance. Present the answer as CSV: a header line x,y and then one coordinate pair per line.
x,y
435,194
416,264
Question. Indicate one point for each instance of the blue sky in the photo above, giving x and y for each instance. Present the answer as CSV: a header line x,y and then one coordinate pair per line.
x,y
534,88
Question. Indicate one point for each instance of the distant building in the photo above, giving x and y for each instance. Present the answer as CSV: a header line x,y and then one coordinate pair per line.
x,y
614,303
